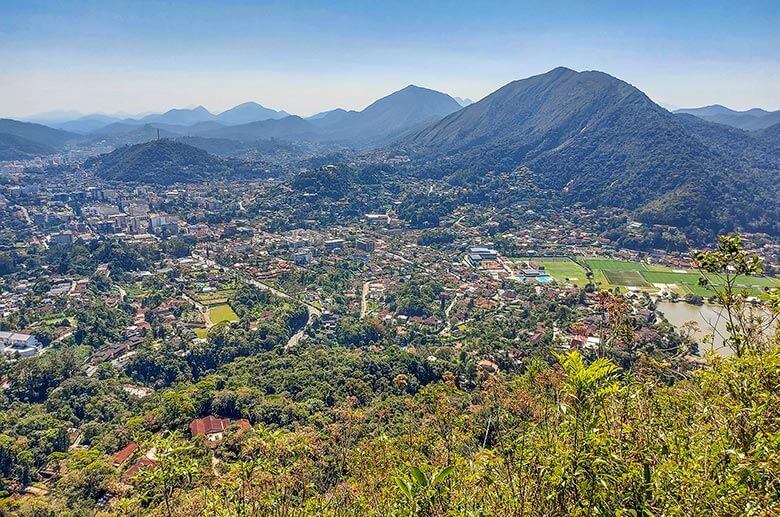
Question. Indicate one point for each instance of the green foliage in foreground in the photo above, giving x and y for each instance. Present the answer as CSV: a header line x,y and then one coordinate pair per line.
x,y
570,439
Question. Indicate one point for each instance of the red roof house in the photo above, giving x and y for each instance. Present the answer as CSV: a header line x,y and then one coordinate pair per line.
x,y
122,455
213,428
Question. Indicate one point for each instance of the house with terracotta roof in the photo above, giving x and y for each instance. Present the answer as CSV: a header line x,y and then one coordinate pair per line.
x,y
213,428
122,455
143,463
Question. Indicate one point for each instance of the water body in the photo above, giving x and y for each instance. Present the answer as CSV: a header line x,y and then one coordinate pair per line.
x,y
543,278
710,318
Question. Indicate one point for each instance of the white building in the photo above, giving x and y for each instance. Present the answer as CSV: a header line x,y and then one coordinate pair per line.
x,y
25,345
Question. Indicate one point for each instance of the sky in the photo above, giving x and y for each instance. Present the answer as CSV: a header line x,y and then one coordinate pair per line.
x,y
145,56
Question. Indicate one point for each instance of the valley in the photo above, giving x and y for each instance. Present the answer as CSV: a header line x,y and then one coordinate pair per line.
x,y
334,314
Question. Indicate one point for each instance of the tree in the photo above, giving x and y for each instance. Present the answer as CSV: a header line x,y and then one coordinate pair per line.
x,y
721,270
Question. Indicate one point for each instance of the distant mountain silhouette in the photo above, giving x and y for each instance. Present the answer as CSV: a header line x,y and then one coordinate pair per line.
x,y
335,114
248,112
119,134
86,124
381,122
395,114
181,117
288,128
463,102
37,133
601,141
14,147
749,120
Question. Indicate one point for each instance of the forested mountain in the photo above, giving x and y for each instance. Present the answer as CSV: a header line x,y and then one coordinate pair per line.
x,y
749,120
14,147
601,141
37,133
161,161
737,146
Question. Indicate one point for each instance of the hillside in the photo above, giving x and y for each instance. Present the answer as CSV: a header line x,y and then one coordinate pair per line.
x,y
159,161
749,120
37,133
13,147
599,140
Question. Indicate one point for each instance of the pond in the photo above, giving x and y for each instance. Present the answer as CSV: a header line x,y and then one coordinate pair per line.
x,y
710,318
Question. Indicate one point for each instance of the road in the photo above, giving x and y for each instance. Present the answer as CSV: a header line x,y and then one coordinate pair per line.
x,y
313,310
364,299
448,325
296,338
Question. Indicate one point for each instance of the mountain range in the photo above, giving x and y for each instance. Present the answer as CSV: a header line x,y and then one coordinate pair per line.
x,y
586,136
382,122
749,120
241,114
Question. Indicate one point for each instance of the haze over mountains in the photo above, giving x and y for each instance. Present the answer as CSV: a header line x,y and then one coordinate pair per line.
x,y
587,135
750,120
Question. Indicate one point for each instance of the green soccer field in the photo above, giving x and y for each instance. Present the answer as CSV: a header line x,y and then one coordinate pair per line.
x,y
220,313
559,268
613,265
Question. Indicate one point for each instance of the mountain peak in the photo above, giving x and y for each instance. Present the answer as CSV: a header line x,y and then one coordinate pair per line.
x,y
249,112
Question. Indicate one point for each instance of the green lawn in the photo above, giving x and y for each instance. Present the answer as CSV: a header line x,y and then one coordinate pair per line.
x,y
220,313
559,268
625,277
201,332
613,265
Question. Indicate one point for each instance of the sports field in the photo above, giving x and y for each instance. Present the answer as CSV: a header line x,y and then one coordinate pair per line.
x,y
561,269
220,313
610,273
625,277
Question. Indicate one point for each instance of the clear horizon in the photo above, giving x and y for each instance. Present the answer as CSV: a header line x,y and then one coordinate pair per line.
x,y
307,57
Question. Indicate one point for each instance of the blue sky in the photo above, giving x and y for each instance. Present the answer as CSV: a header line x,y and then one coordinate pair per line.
x,y
135,56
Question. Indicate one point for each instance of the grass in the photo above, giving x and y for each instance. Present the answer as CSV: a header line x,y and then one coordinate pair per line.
x,y
220,313
625,277
613,265
559,268
658,268
201,332
691,282
609,273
